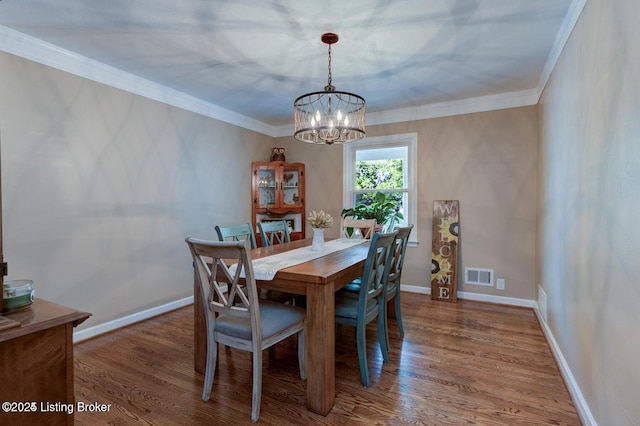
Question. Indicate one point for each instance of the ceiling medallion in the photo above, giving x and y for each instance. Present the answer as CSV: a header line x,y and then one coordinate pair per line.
x,y
329,117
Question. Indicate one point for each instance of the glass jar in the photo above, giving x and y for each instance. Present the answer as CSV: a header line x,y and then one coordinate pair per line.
x,y
17,295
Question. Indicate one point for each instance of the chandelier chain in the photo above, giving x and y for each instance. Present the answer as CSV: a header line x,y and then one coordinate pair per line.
x,y
329,77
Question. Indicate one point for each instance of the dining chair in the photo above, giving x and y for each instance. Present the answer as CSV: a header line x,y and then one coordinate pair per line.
x,y
244,232
359,309
360,228
239,232
393,278
276,232
235,316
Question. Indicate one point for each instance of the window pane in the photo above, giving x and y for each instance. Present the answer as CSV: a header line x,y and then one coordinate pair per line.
x,y
387,164
379,174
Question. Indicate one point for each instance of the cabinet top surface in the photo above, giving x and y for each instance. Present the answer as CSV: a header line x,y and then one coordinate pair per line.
x,y
39,316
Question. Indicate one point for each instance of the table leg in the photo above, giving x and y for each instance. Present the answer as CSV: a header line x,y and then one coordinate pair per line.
x,y
320,342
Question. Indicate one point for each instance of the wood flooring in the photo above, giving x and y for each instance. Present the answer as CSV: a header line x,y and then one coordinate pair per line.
x,y
468,363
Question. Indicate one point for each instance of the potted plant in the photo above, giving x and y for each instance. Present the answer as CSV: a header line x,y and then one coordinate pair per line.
x,y
383,208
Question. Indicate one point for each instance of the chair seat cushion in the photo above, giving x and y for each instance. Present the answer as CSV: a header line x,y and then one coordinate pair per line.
x,y
347,304
353,286
274,317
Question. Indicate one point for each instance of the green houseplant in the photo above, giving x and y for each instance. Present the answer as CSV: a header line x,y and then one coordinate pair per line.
x,y
383,208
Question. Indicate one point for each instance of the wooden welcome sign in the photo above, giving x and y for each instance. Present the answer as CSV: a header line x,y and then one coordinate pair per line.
x,y
444,250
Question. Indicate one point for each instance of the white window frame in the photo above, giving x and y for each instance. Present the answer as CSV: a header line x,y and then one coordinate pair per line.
x,y
409,140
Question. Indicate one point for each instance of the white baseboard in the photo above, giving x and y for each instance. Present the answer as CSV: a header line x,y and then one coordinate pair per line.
x,y
475,296
415,289
576,394
108,326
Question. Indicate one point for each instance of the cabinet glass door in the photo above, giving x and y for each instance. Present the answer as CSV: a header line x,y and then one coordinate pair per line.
x,y
290,189
267,187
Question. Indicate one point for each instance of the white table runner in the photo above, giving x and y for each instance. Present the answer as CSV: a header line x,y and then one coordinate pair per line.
x,y
265,268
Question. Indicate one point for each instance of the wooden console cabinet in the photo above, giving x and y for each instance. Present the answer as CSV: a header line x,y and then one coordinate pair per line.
x,y
278,194
36,363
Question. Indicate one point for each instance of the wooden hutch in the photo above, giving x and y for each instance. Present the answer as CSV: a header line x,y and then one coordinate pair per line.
x,y
278,194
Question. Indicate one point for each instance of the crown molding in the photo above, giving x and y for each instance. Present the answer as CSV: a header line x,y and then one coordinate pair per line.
x,y
568,24
36,50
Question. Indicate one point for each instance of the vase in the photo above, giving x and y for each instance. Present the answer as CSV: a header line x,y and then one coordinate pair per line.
x,y
318,239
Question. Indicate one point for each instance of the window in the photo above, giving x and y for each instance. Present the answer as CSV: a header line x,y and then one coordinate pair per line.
x,y
386,164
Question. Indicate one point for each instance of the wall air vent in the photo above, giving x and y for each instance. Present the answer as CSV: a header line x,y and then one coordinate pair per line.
x,y
478,276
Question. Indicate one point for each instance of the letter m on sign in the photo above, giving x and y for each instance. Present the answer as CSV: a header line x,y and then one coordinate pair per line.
x,y
444,250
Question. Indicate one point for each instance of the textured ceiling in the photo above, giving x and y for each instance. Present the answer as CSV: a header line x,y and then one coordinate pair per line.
x,y
256,57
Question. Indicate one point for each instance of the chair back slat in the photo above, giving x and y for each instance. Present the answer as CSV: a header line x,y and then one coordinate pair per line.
x,y
367,227
376,268
399,252
274,232
239,232
221,290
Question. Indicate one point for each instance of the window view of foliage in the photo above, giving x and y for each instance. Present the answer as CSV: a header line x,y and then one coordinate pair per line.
x,y
379,174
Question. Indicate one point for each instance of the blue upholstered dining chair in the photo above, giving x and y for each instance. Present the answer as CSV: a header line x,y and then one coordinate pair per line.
x,y
393,278
236,317
276,232
240,232
359,309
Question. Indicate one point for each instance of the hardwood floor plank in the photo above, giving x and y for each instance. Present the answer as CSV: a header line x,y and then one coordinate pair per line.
x,y
466,362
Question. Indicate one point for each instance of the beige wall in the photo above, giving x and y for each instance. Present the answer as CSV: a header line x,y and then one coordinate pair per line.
x,y
589,239
485,160
100,188
104,185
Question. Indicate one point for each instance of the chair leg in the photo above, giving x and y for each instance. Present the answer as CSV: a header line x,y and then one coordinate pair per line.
x,y
361,333
381,325
210,369
385,320
257,385
302,355
396,302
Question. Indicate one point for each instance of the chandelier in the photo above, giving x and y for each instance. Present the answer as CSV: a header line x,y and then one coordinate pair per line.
x,y
329,116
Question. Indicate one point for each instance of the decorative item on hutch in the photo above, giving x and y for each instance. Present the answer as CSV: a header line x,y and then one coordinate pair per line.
x,y
278,194
319,222
277,154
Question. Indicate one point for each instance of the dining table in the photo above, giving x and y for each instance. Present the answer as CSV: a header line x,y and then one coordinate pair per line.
x,y
318,280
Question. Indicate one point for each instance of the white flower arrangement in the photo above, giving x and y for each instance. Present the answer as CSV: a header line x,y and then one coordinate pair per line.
x,y
320,220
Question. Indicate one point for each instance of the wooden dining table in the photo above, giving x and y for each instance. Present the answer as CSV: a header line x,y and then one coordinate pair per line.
x,y
318,280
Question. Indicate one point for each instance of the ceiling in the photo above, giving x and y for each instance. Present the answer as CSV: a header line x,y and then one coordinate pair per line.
x,y
254,58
